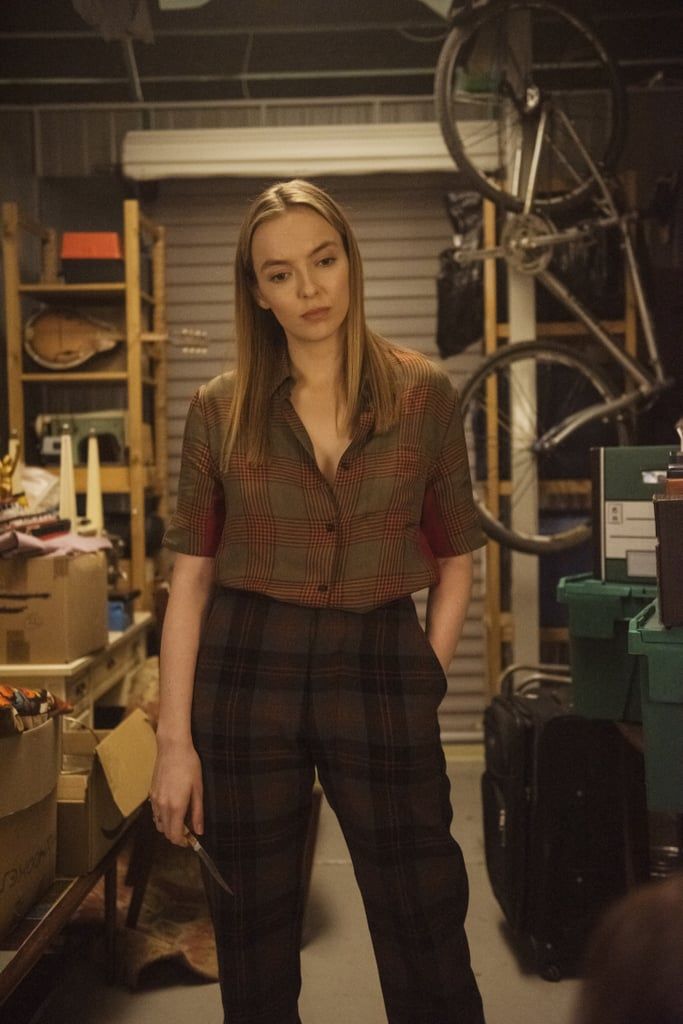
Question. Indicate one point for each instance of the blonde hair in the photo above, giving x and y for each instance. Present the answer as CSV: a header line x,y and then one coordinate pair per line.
x,y
261,345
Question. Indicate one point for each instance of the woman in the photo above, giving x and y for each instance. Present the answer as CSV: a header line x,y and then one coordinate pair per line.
x,y
321,484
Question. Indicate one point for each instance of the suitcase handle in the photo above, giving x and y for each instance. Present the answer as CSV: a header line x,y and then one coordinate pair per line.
x,y
539,674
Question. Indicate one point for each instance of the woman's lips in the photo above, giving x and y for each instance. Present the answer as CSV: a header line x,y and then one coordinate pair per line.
x,y
317,314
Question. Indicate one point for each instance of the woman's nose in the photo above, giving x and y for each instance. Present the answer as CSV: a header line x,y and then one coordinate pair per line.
x,y
307,284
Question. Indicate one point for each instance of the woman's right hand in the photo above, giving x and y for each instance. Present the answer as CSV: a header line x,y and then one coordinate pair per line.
x,y
177,793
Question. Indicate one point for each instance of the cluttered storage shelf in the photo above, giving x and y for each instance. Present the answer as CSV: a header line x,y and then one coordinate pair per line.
x,y
101,322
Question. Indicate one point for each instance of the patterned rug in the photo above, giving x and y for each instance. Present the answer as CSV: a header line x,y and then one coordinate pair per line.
x,y
173,926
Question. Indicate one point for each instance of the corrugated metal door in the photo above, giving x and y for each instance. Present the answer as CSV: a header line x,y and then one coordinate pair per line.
x,y
401,227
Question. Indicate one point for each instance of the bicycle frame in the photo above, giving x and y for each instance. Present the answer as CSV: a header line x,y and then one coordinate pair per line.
x,y
646,384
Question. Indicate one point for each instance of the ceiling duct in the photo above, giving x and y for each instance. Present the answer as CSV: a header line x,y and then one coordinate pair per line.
x,y
181,5
289,151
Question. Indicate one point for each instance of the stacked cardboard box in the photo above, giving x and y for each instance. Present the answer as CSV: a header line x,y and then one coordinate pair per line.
x,y
53,608
28,818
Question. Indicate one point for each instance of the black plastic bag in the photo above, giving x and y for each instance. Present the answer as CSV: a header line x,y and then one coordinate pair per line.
x,y
460,287
594,273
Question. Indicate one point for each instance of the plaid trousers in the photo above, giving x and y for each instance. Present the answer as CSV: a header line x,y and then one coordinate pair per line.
x,y
281,691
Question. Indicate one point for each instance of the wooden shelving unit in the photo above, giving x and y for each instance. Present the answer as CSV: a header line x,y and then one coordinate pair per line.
x,y
145,357
500,623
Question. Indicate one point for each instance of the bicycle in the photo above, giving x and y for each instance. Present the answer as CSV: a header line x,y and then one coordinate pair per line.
x,y
534,409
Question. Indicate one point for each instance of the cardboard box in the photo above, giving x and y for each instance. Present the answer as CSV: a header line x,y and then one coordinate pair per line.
x,y
28,818
105,777
53,608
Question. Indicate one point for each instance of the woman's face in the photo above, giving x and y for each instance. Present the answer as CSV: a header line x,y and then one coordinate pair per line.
x,y
302,275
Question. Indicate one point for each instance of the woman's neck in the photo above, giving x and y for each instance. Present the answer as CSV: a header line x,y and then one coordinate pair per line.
x,y
316,367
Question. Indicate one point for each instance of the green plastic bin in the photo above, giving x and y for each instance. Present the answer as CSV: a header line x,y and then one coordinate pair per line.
x,y
659,653
605,676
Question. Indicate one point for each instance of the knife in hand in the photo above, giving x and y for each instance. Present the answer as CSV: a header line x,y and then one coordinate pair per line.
x,y
206,860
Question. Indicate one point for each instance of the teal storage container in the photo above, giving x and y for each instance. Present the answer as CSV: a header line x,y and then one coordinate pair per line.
x,y
660,660
605,676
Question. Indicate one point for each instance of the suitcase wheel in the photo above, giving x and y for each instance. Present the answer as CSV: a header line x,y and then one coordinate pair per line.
x,y
547,960
551,972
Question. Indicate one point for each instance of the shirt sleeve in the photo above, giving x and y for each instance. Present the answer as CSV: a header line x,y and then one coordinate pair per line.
x,y
450,522
197,524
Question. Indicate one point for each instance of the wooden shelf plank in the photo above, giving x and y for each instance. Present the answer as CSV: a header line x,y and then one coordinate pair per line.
x,y
98,289
59,377
86,291
554,634
115,479
62,377
560,329
546,487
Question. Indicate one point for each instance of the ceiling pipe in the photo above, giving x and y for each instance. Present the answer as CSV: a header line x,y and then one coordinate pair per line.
x,y
321,28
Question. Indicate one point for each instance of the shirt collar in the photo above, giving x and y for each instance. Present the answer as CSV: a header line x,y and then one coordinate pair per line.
x,y
281,375
282,384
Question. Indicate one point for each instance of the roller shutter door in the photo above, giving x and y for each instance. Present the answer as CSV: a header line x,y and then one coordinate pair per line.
x,y
401,226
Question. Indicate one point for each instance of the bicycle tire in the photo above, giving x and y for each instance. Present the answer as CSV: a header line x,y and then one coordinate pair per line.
x,y
477,55
564,382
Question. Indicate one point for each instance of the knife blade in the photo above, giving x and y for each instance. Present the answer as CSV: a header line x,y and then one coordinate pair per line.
x,y
206,860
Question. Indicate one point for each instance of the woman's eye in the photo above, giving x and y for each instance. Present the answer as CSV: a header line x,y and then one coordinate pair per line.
x,y
277,278
327,261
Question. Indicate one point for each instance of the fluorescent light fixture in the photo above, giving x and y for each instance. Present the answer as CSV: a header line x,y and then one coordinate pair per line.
x,y
180,5
285,151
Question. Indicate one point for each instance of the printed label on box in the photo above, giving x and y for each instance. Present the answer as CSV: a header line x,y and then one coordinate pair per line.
x,y
629,527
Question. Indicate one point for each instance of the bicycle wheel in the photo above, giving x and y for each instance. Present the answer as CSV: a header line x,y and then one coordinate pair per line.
x,y
504,67
543,500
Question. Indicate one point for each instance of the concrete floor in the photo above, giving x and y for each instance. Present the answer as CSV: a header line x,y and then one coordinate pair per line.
x,y
340,980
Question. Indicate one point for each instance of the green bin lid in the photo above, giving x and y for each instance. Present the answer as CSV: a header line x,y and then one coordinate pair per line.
x,y
647,628
663,649
595,605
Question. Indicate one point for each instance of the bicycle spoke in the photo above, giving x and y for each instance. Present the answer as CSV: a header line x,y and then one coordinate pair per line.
x,y
520,398
484,134
475,98
564,160
519,496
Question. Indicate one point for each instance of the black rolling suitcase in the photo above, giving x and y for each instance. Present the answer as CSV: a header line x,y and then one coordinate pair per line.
x,y
565,821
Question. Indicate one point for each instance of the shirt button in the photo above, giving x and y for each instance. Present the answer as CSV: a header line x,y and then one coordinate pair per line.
x,y
323,588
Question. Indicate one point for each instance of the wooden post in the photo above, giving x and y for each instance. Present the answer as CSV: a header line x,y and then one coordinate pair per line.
x,y
13,322
136,467
160,376
49,259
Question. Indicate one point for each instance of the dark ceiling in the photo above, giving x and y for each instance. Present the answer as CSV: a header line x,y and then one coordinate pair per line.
x,y
236,49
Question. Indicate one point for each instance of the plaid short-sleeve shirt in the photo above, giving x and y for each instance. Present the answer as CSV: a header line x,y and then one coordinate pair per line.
x,y
401,499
